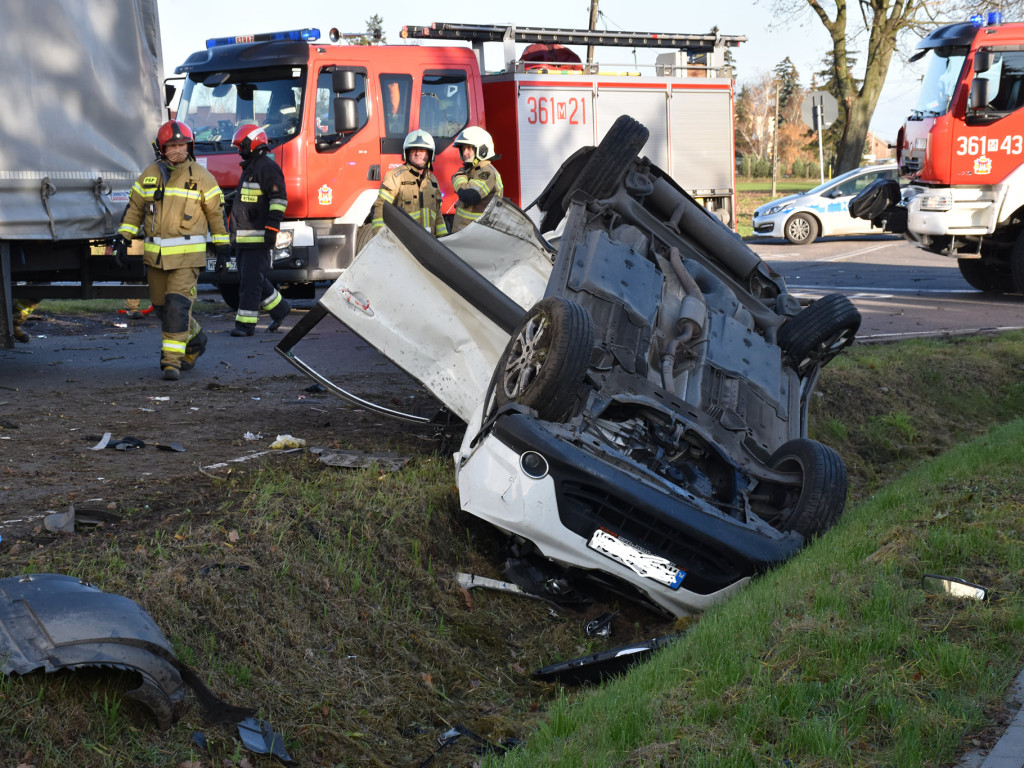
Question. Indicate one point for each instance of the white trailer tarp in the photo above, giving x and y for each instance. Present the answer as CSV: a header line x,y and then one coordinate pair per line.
x,y
82,100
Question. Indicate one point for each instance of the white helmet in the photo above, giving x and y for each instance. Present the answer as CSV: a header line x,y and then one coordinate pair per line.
x,y
480,140
418,139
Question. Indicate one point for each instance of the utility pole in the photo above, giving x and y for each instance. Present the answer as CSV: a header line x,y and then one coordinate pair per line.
x,y
775,141
593,25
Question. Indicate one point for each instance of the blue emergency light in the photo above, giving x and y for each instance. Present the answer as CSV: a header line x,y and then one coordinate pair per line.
x,y
994,18
310,35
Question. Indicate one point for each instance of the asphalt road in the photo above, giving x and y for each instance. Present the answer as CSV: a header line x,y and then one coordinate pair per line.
x,y
901,291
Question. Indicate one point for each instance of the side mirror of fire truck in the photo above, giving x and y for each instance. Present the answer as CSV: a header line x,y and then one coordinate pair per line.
x,y
982,61
343,81
346,116
979,93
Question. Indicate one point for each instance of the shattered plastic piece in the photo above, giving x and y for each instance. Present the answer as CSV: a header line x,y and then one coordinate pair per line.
x,y
51,621
601,626
102,443
260,737
251,436
287,441
127,443
360,459
599,666
66,522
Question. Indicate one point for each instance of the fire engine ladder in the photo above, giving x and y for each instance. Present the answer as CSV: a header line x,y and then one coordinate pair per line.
x,y
478,34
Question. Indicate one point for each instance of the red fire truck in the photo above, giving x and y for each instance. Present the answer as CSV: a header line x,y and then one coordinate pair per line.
x,y
962,148
336,116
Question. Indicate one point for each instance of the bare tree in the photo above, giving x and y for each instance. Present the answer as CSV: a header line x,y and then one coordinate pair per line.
x,y
875,29
755,117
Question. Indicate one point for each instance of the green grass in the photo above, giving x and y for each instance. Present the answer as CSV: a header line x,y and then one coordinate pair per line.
x,y
326,599
838,658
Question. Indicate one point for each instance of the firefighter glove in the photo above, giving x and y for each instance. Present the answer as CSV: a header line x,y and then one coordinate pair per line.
x,y
269,237
222,252
120,250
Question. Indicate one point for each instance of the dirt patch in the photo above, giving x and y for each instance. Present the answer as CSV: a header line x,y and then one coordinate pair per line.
x,y
222,415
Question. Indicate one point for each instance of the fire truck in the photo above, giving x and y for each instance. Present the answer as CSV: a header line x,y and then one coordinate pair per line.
x,y
336,116
962,149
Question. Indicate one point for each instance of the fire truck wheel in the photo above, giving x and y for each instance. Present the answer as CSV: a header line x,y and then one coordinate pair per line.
x,y
229,292
979,275
1017,264
819,332
544,364
812,505
608,164
801,229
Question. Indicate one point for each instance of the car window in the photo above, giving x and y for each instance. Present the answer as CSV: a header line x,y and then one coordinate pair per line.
x,y
855,184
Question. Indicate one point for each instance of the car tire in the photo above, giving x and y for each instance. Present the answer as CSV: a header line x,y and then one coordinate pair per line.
x,y
608,164
801,229
818,333
229,293
980,275
544,365
815,506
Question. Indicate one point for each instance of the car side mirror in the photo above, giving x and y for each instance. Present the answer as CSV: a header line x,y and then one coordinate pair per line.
x,y
952,586
346,117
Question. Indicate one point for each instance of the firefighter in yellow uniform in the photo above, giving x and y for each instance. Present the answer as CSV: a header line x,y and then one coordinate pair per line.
x,y
172,206
412,187
477,182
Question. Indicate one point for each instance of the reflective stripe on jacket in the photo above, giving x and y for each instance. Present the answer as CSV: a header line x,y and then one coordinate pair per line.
x,y
174,214
485,180
260,200
415,192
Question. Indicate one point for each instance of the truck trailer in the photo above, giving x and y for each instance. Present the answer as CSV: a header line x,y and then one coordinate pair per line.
x,y
83,83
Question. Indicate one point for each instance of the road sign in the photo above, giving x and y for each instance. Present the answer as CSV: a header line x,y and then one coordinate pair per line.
x,y
820,103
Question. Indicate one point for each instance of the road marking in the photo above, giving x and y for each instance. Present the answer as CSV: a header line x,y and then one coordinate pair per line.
x,y
886,292
851,254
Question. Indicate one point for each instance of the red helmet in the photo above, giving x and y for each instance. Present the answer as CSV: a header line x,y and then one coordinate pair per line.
x,y
249,138
174,130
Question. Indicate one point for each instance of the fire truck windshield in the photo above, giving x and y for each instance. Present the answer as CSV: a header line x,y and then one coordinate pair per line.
x,y
940,81
215,104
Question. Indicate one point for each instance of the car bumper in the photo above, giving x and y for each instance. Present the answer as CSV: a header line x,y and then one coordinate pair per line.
x,y
770,226
586,513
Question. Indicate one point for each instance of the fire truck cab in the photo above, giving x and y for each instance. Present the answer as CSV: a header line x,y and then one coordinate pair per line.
x,y
336,117
963,150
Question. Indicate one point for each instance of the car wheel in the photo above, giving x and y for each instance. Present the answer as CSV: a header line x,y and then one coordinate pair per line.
x,y
229,292
813,506
801,229
819,332
980,275
544,364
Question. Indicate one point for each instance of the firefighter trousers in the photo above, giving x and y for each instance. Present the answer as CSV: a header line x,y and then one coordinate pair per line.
x,y
255,291
172,292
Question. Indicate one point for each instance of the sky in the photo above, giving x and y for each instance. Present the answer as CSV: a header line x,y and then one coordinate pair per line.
x,y
186,25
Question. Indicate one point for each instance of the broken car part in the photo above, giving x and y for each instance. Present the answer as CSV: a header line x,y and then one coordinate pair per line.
x,y
260,737
636,401
952,586
600,666
51,621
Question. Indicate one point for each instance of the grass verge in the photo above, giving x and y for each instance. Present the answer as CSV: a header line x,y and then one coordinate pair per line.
x,y
327,599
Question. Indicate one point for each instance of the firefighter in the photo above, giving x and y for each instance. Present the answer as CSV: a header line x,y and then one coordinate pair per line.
x,y
412,187
256,215
477,182
23,309
172,206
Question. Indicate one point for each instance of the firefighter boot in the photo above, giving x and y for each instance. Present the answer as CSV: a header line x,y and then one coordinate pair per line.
x,y
193,349
171,373
243,329
278,314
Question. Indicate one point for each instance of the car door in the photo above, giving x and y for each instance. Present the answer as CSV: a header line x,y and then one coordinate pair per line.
x,y
840,222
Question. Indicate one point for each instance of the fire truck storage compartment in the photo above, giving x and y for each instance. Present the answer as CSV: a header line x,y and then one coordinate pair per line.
x,y
538,119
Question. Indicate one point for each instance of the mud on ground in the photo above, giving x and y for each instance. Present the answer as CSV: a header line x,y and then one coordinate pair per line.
x,y
73,383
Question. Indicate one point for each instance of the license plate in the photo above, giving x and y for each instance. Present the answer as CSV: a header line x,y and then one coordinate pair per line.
x,y
637,560
211,265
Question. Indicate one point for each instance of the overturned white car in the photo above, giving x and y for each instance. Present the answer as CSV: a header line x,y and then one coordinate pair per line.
x,y
636,400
